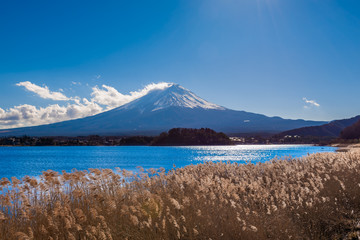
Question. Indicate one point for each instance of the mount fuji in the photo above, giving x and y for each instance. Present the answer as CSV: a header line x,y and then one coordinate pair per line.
x,y
160,110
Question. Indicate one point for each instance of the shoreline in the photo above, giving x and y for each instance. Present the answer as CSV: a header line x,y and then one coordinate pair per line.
x,y
243,144
345,147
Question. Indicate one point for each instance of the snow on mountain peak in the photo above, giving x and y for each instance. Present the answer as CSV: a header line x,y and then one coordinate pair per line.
x,y
176,95
170,95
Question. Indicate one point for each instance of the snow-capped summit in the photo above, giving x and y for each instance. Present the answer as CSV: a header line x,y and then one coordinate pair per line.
x,y
173,95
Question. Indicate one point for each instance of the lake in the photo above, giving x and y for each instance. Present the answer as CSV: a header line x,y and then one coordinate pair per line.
x,y
22,161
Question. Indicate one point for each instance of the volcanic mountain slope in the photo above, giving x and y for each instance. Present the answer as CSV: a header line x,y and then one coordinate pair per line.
x,y
161,110
332,129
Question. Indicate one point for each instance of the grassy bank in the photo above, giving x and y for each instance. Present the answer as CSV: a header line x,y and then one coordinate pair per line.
x,y
317,197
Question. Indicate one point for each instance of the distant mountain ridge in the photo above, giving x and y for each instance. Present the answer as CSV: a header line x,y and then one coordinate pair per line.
x,y
351,132
160,110
332,129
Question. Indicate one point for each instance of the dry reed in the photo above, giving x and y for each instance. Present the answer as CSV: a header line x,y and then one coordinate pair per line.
x,y
316,197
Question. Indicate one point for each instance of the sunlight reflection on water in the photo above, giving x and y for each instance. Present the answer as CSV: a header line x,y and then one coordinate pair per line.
x,y
253,153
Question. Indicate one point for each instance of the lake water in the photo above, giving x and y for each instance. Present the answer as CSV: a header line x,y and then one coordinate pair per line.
x,y
22,161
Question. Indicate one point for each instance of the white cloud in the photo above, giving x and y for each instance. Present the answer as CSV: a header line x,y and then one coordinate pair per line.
x,y
310,103
111,98
28,115
43,92
102,100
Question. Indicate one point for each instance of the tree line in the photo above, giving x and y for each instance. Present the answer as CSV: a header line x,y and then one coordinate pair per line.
x,y
176,136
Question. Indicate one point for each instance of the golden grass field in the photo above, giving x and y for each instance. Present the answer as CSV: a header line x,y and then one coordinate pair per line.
x,y
316,197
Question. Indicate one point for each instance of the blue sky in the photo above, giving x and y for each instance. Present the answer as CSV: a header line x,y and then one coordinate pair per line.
x,y
294,59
